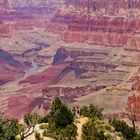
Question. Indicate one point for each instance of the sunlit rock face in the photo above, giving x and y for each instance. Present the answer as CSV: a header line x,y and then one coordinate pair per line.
x,y
106,28
134,101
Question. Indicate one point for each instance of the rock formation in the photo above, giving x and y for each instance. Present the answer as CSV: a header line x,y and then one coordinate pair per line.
x,y
10,69
4,30
4,6
134,101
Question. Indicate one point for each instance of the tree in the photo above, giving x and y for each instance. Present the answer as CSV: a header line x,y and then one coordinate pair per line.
x,y
133,104
91,111
137,137
61,115
84,111
8,129
132,109
61,126
30,121
120,126
91,132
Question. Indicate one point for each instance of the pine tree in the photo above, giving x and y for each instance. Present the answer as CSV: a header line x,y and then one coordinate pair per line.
x,y
60,114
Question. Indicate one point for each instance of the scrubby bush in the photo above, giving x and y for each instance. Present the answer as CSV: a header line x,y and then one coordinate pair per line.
x,y
120,126
96,129
44,119
91,111
67,133
38,137
30,121
43,126
8,129
108,127
137,137
90,132
44,133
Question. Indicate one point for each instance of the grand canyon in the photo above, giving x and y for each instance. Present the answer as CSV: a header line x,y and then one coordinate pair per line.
x,y
84,51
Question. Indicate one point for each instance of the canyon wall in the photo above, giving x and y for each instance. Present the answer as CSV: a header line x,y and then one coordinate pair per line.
x,y
97,30
133,105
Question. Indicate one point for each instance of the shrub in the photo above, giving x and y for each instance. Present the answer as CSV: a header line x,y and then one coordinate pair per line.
x,y
108,127
90,132
8,129
67,133
38,137
43,126
44,133
109,137
120,126
44,119
91,111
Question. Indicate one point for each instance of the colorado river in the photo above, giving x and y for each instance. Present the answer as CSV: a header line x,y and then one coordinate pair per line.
x,y
32,70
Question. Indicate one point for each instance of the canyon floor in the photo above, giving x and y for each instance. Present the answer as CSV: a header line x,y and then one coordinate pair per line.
x,y
113,97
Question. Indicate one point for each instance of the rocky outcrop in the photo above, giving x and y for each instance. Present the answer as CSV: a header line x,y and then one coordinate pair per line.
x,y
94,66
9,72
133,40
133,105
10,69
56,27
48,76
4,30
19,105
5,56
4,6
70,55
69,93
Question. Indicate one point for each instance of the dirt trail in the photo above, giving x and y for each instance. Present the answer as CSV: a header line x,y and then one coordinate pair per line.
x,y
81,121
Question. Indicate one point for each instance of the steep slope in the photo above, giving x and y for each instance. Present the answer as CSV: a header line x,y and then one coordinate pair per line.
x,y
10,69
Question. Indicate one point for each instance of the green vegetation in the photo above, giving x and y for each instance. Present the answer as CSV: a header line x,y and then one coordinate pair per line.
x,y
38,137
91,111
43,119
129,133
60,114
60,124
95,129
43,126
8,129
30,121
90,132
